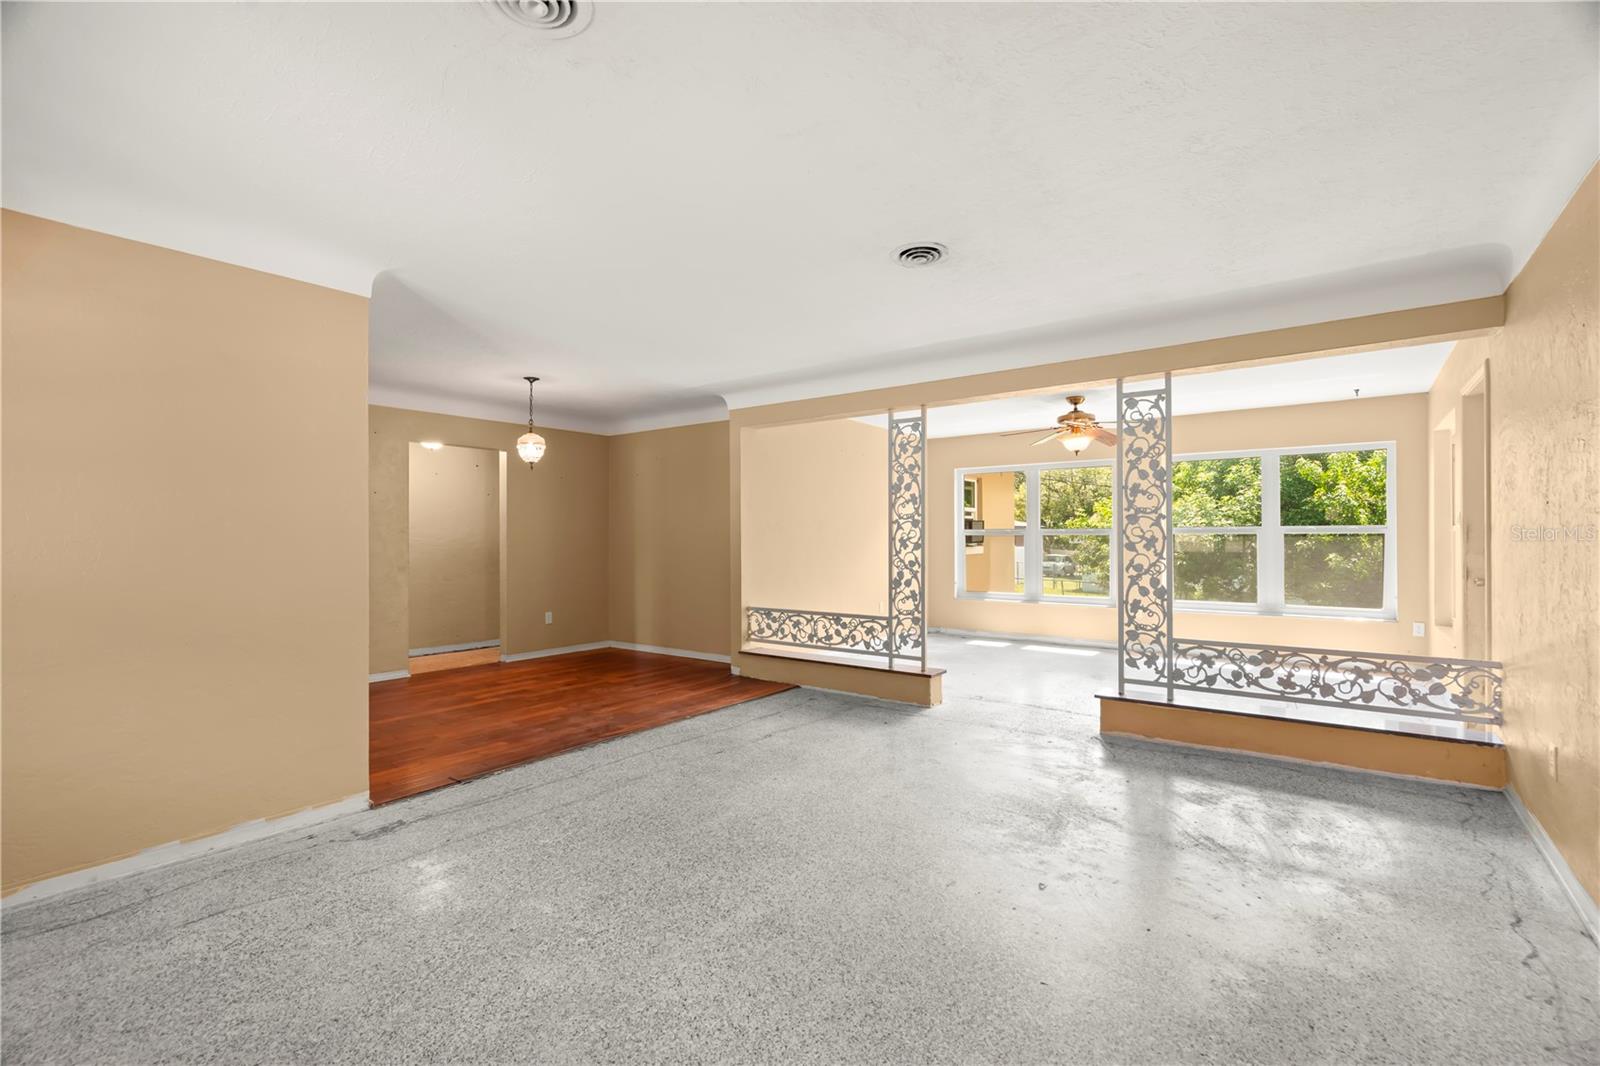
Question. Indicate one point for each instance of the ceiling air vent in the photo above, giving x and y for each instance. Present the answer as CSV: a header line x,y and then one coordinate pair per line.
x,y
920,255
551,19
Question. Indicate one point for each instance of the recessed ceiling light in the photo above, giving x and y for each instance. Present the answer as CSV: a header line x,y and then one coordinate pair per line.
x,y
921,255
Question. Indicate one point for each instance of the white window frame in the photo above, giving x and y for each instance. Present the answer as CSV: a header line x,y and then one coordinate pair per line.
x,y
1270,599
1032,538
961,519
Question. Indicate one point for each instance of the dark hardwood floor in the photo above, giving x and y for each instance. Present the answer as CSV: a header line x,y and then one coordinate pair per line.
x,y
440,728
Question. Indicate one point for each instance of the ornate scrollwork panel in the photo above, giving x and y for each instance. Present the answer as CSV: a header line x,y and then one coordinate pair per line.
x,y
1460,689
818,629
1144,482
907,547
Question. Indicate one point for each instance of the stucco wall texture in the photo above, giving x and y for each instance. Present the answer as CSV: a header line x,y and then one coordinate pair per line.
x,y
1544,432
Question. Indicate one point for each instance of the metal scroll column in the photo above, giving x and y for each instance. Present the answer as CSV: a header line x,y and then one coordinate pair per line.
x,y
1143,507
888,603
922,532
908,619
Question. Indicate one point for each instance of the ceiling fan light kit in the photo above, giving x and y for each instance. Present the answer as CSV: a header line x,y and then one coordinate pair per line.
x,y
1076,430
1076,442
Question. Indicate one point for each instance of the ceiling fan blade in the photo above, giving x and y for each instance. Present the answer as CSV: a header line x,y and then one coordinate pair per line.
x,y
1020,432
1103,435
1047,438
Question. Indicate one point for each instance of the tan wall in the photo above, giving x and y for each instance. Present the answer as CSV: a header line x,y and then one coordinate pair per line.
x,y
816,516
184,547
1544,434
454,577
1397,418
557,530
669,538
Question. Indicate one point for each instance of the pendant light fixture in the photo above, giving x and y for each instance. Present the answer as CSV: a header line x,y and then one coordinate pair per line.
x,y
530,446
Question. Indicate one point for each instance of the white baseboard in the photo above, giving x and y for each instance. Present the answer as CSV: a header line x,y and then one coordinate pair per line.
x,y
388,675
1582,902
1024,638
545,653
441,649
679,652
178,850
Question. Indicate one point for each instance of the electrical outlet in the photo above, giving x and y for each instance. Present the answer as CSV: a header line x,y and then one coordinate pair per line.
x,y
549,617
1419,629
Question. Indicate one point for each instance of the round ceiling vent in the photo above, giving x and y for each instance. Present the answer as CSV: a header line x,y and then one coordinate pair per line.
x,y
920,255
551,18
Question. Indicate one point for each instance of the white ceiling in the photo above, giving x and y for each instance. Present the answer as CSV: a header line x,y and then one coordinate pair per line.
x,y
688,204
1392,372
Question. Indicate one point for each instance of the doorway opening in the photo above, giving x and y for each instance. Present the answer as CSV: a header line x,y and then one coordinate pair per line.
x,y
455,613
1472,519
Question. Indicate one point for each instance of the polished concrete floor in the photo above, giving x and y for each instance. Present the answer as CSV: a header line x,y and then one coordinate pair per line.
x,y
820,878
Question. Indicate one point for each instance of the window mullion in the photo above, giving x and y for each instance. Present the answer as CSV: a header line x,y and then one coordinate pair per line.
x,y
1269,542
1033,542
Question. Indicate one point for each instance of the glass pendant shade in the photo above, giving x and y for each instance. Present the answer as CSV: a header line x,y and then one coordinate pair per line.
x,y
530,448
1077,442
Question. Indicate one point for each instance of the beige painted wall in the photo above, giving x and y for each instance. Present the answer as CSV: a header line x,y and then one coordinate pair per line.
x,y
454,575
1544,433
1397,418
816,515
669,538
184,547
557,532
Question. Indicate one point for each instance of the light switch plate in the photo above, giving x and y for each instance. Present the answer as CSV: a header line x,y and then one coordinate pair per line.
x,y
549,617
1419,629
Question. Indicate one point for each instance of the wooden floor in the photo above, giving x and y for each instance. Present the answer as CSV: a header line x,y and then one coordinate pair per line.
x,y
452,660
452,725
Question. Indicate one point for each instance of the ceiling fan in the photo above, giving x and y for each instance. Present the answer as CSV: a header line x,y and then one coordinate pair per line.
x,y
1076,430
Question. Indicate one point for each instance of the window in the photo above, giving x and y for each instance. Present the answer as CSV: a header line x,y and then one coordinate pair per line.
x,y
1075,526
994,504
1037,533
1274,531
969,509
1216,518
1335,515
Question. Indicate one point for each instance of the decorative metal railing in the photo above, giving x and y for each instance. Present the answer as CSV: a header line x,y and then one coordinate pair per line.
x,y
903,632
1463,690
822,630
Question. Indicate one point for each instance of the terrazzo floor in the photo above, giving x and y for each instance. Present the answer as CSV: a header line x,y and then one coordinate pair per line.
x,y
816,877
